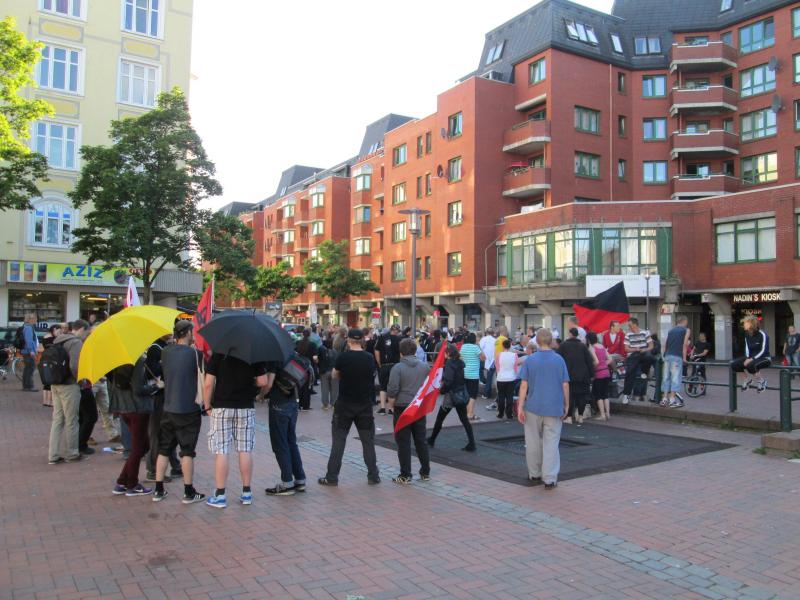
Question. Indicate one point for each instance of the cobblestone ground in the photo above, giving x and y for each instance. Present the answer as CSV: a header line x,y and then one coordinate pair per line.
x,y
718,525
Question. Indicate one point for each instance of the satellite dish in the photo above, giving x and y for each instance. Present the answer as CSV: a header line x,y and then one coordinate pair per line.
x,y
443,133
772,65
777,105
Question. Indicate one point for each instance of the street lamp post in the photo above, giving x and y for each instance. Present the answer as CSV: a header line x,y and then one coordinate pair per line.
x,y
415,229
647,301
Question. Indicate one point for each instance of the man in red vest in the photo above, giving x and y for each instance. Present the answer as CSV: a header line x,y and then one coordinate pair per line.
x,y
614,343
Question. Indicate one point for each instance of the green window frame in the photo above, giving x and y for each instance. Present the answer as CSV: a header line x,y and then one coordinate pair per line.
x,y
796,22
622,81
745,241
654,172
454,169
629,251
363,182
797,115
427,227
420,146
654,129
796,63
571,252
529,259
797,162
757,36
455,125
622,167
454,263
758,124
757,80
418,263
587,165
419,186
428,142
399,232
587,120
761,168
537,71
317,199
502,261
398,270
654,86
399,155
454,213
622,126
399,193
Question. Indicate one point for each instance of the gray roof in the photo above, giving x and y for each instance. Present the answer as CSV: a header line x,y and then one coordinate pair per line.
x,y
233,209
375,131
542,26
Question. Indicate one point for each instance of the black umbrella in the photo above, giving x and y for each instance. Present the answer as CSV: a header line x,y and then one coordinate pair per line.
x,y
249,336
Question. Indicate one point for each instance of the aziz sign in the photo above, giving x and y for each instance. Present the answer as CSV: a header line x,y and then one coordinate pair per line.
x,y
757,297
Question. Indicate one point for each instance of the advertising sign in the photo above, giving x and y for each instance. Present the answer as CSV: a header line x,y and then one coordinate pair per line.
x,y
636,286
70,274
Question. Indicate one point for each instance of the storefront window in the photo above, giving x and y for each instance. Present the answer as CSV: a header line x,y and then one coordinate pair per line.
x,y
629,251
571,253
746,241
96,303
49,307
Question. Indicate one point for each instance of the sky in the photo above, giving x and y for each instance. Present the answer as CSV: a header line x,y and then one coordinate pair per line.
x,y
282,83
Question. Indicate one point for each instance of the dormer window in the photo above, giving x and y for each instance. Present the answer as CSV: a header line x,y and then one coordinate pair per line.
x,y
726,5
495,52
647,45
581,32
616,43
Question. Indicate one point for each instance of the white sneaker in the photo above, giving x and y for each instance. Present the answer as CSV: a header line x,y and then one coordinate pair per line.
x,y
626,399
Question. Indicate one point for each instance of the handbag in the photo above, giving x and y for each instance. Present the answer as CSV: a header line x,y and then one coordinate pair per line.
x,y
199,398
460,397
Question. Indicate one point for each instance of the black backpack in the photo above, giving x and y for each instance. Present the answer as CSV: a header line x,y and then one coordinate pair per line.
x,y
19,338
54,365
295,374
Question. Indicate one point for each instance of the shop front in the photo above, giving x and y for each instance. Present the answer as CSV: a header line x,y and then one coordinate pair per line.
x,y
774,316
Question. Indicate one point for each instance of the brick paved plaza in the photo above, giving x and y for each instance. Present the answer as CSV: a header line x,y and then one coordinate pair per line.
x,y
718,525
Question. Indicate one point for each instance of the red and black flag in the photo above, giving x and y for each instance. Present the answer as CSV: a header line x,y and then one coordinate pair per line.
x,y
595,314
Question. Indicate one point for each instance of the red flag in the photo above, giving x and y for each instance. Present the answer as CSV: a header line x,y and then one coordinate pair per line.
x,y
596,314
425,400
202,315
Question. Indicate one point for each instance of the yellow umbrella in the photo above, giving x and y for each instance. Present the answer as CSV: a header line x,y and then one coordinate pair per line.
x,y
123,338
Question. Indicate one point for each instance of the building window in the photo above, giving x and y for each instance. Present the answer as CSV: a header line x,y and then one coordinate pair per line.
x,y
454,216
138,83
317,200
455,124
454,170
288,236
59,143
427,227
797,114
758,124
419,186
757,36
142,16
647,45
757,80
629,251
502,261
696,127
616,43
399,231
587,165
399,193
581,32
622,167
654,129
587,120
363,214
621,83
529,259
427,267
536,162
537,71
399,155
288,210
760,169
725,5
420,146
60,69
655,171
622,126
571,253
454,263
797,68
66,8
363,182
745,241
428,143
654,86
797,162
399,270
51,224
796,22
317,227
428,185
495,52
289,260
362,246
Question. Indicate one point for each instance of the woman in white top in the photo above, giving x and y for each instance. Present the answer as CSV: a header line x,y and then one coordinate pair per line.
x,y
506,365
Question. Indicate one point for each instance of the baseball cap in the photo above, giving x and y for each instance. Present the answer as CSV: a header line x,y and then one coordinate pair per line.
x,y
355,334
182,327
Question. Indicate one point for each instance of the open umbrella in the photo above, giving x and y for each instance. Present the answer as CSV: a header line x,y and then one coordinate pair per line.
x,y
249,336
121,339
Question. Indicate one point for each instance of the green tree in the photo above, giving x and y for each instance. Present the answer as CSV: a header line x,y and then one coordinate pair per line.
x,y
274,283
332,273
225,244
145,189
19,167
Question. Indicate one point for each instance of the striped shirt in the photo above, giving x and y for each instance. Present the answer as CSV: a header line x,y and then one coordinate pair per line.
x,y
471,355
638,340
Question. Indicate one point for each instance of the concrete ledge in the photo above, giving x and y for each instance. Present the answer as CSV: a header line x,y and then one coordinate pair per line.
x,y
785,442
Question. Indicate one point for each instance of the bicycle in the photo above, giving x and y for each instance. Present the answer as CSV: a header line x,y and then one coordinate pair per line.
x,y
695,384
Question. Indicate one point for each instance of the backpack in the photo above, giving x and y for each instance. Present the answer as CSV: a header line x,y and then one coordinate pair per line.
x,y
295,374
54,365
19,338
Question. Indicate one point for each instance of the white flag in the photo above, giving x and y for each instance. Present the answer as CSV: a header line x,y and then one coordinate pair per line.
x,y
132,298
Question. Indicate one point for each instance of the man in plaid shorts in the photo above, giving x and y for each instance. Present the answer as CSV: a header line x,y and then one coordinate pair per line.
x,y
231,386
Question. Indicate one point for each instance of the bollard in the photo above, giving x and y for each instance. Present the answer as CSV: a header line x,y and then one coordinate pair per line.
x,y
733,389
786,399
659,373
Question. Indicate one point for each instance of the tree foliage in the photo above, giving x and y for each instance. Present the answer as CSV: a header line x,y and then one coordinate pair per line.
x,y
332,273
226,244
19,167
145,189
274,283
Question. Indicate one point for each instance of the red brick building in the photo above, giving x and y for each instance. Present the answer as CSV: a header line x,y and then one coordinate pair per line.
x,y
659,140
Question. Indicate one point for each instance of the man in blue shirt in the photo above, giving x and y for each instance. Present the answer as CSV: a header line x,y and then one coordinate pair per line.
x,y
29,352
545,391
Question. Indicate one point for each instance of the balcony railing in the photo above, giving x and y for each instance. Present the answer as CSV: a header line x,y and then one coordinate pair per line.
x,y
707,99
526,183
701,58
714,141
701,186
527,137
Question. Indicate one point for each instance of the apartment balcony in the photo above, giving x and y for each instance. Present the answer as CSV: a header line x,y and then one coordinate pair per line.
x,y
716,142
709,100
702,186
360,197
527,137
361,230
288,248
526,183
703,58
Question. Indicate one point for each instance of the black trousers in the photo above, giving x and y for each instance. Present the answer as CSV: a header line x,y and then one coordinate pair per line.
x,y
27,372
154,428
462,415
505,398
415,431
344,417
579,396
305,397
636,364
754,367
87,417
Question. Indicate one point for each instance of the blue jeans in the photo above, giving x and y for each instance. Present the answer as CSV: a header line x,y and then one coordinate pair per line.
x,y
794,359
487,386
673,371
282,423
